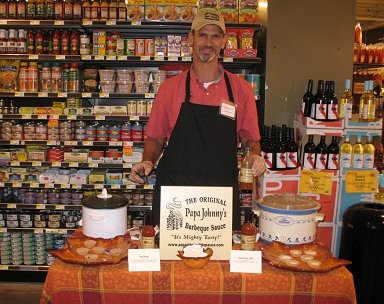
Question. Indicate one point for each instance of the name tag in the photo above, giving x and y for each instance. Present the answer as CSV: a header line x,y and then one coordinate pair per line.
x,y
228,109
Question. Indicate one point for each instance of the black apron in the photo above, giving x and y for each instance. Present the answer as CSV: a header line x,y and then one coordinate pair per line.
x,y
201,152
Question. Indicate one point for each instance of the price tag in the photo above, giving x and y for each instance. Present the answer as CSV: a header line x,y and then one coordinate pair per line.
x,y
87,22
3,22
42,94
136,22
100,117
110,22
130,186
54,116
86,94
173,58
128,144
148,186
87,143
16,184
1,185
361,181
109,57
3,267
62,94
145,58
36,164
76,186
1,116
316,182
19,94
50,230
60,57
3,229
186,58
40,206
34,22
134,117
149,95
227,59
49,185
56,164
92,165
59,207
34,185
70,143
159,58
104,95
14,142
99,57
33,56
86,57
42,116
121,57
115,143
115,186
73,164
98,186
11,206
39,230
71,116
51,142
63,231
15,163
127,165
65,186
58,22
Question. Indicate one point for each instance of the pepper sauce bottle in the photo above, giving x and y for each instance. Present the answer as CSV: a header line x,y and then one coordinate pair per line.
x,y
148,232
248,233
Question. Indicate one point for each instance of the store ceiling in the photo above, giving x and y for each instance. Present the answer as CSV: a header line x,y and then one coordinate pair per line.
x,y
370,13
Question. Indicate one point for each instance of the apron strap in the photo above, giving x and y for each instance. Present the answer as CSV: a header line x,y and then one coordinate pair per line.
x,y
229,88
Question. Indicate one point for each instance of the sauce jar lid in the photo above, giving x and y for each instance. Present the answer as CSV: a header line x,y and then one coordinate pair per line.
x,y
105,201
290,201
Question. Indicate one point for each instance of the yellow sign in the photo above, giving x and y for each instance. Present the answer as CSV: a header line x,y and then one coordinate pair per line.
x,y
361,181
316,182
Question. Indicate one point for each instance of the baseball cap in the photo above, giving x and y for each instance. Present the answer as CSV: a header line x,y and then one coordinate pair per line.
x,y
205,18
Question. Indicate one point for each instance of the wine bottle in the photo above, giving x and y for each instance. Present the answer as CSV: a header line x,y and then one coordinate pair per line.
x,y
358,154
268,151
369,154
148,232
248,233
346,101
309,154
333,155
292,150
246,173
346,151
307,100
319,105
321,154
281,153
332,102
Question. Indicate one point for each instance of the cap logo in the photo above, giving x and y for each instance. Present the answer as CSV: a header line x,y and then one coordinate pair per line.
x,y
211,16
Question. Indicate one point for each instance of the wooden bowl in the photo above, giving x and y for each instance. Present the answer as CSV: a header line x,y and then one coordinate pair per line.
x,y
198,262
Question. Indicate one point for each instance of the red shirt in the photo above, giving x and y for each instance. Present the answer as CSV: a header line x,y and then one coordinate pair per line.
x,y
171,95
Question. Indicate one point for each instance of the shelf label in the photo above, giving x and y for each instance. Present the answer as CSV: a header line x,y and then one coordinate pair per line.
x,y
128,143
136,22
42,94
58,22
73,164
34,22
1,116
14,142
122,57
87,22
115,186
361,181
100,117
70,143
71,116
19,94
92,165
36,164
86,57
145,58
87,143
60,57
104,95
127,165
76,186
3,22
11,206
227,59
115,143
62,94
86,94
15,163
316,182
186,58
149,95
110,57
34,185
98,186
51,230
26,116
3,267
33,56
51,142
55,116
16,184
65,186
1,185
42,116
134,117
110,22
49,185
40,206
38,230
159,58
173,58
59,207
3,230
99,57
56,164
148,186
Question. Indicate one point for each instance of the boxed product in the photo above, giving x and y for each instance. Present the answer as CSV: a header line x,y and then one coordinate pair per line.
x,y
208,5
5,156
36,155
135,10
118,110
188,10
77,155
114,177
101,110
97,176
229,9
174,45
96,156
99,42
248,11
113,156
161,46
79,178
154,10
171,10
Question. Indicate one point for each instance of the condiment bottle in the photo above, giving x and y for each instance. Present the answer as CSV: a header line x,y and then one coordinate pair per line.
x,y
56,42
30,42
64,42
86,9
39,42
77,9
246,174
248,233
148,232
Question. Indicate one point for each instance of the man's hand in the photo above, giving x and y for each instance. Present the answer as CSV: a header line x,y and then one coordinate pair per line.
x,y
140,170
258,167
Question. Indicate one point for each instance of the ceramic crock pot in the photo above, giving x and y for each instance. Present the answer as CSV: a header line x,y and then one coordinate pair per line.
x,y
104,215
288,218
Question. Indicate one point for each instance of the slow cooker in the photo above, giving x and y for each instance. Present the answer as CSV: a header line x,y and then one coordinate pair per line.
x,y
288,218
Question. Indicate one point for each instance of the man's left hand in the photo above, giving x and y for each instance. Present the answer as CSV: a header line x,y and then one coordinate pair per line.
x,y
258,167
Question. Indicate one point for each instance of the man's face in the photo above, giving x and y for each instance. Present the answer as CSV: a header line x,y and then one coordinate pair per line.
x,y
207,43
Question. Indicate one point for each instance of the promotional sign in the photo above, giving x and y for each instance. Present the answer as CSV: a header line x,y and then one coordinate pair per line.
x,y
361,181
195,215
316,182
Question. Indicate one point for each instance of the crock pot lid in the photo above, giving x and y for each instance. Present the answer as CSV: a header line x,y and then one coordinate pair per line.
x,y
290,201
105,201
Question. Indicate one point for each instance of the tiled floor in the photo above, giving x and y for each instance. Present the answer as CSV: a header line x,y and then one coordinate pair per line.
x,y
20,293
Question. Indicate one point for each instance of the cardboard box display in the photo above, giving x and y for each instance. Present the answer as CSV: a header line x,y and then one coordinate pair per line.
x,y
229,9
5,156
325,235
97,176
248,11
327,126
282,173
4,174
354,123
135,10
275,185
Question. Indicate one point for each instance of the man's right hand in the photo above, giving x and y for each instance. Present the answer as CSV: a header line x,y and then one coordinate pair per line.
x,y
140,170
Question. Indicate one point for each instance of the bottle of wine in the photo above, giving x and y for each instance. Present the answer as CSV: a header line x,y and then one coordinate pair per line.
x,y
367,107
268,151
292,150
319,105
281,157
346,151
362,100
333,155
309,154
321,154
148,232
246,173
346,101
369,154
358,154
248,233
332,102
307,100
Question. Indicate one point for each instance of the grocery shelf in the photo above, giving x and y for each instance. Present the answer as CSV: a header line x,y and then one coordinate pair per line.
x,y
121,118
36,185
37,230
56,164
68,24
79,95
73,143
41,57
44,268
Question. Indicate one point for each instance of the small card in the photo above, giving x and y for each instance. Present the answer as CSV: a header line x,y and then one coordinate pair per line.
x,y
143,259
228,109
245,261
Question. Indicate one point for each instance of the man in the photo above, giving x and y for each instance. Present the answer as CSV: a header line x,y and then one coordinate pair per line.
x,y
202,113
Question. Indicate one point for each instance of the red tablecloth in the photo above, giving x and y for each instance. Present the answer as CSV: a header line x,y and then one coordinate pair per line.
x,y
175,283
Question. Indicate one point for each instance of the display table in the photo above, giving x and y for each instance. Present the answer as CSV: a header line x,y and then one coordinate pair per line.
x,y
175,283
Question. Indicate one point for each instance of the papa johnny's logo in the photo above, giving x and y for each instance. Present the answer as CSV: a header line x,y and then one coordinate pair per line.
x,y
175,218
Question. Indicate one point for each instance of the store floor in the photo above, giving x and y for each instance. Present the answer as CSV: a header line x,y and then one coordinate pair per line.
x,y
20,293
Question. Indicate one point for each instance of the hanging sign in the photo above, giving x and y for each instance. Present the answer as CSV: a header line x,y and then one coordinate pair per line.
x,y
195,215
316,182
361,181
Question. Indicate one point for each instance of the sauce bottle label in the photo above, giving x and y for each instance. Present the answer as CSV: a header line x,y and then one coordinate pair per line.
x,y
147,242
247,242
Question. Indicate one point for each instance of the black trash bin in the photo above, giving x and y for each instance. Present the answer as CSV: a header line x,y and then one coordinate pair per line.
x,y
362,243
